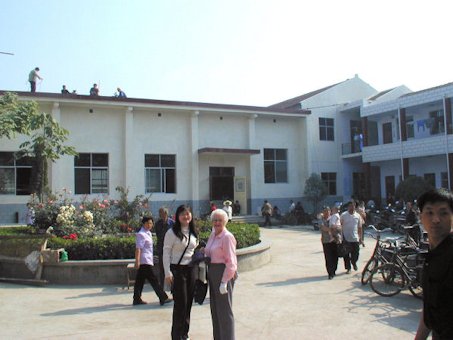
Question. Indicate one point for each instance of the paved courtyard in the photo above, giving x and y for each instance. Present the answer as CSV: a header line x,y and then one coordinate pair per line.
x,y
289,298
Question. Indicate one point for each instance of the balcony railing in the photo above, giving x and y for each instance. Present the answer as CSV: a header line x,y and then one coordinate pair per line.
x,y
350,148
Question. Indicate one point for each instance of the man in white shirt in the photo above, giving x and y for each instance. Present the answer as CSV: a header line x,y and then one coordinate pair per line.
x,y
351,222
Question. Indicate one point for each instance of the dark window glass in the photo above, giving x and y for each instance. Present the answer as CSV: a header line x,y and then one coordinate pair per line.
x,y
269,154
24,161
23,181
82,181
269,172
82,159
6,158
170,181
100,159
152,161
167,161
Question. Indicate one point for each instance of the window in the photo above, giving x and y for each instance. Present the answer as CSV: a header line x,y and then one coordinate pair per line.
x,y
160,173
275,166
409,127
91,173
330,180
436,122
15,174
326,129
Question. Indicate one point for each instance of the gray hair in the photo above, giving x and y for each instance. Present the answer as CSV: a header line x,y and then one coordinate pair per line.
x,y
221,212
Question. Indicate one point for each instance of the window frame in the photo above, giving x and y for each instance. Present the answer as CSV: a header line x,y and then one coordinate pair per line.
x,y
16,168
331,184
326,125
91,169
167,173
275,168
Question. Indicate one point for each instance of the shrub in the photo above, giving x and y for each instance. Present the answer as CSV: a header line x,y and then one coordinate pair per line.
x,y
123,246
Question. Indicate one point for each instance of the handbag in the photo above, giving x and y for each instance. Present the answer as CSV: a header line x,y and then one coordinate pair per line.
x,y
342,249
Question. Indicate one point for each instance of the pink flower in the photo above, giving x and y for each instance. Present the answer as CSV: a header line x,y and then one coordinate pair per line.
x,y
81,207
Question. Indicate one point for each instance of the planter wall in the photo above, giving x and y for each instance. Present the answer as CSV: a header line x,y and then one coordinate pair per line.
x,y
115,271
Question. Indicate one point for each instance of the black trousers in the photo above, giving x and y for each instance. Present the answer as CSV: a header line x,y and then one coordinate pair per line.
x,y
32,86
352,256
145,272
331,257
267,220
183,290
160,270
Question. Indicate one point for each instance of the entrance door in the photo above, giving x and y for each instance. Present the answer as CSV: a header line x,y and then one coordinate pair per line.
x,y
221,183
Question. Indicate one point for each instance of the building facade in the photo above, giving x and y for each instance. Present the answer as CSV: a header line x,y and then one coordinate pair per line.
x,y
361,142
173,152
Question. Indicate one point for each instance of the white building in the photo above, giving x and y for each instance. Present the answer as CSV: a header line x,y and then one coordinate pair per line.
x,y
185,152
177,152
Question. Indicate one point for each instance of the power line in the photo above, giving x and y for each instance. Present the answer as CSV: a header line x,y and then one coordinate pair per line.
x,y
6,53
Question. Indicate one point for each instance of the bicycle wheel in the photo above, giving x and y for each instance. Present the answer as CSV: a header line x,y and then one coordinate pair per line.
x,y
416,290
367,270
387,279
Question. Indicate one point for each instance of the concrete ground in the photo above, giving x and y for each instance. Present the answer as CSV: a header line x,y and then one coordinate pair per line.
x,y
290,298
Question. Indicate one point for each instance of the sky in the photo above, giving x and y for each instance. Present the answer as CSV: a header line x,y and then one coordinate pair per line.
x,y
245,52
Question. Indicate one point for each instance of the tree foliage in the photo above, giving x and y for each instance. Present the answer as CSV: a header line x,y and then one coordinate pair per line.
x,y
411,188
315,190
46,141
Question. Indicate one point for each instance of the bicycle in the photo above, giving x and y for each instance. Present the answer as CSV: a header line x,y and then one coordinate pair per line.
x,y
403,271
382,252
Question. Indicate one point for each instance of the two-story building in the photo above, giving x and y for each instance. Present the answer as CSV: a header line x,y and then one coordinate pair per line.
x,y
174,152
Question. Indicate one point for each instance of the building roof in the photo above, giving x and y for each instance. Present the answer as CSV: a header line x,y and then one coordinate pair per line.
x,y
428,89
380,94
154,102
295,102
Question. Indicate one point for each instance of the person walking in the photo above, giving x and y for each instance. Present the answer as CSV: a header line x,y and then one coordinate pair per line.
x,y
222,272
162,226
436,207
179,246
33,76
329,228
351,223
144,264
266,211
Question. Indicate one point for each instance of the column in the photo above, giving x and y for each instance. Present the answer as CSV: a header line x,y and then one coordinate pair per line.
x,y
254,166
403,124
55,173
194,130
128,153
405,169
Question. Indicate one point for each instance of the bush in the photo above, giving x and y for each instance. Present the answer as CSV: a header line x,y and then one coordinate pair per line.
x,y
123,246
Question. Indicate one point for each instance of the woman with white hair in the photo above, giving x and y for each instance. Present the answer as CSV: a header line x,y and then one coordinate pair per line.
x,y
221,248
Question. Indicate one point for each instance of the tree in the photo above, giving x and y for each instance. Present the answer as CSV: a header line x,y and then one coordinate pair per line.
x,y
46,141
315,190
411,188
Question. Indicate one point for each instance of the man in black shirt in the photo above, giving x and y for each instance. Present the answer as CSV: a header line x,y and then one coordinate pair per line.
x,y
436,215
163,224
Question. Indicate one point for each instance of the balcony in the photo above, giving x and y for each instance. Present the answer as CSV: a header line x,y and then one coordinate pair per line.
x,y
351,148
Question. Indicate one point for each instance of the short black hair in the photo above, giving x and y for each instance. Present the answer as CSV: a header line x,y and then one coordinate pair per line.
x,y
146,219
434,196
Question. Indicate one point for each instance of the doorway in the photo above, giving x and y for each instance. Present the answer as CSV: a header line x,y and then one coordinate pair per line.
x,y
221,183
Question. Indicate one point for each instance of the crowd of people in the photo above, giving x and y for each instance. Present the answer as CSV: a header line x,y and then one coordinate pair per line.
x,y
34,76
177,242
